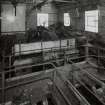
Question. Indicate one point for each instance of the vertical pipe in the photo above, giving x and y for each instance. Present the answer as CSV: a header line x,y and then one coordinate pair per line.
x,y
54,75
0,19
87,51
3,80
72,69
98,56
60,44
64,58
10,62
42,47
60,49
42,53
19,49
51,57
3,87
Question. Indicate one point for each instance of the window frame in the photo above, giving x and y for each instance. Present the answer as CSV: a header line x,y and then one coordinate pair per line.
x,y
67,17
47,19
94,26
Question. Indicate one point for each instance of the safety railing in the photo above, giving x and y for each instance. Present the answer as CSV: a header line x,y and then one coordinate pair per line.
x,y
35,77
55,53
73,95
54,74
85,51
90,76
86,54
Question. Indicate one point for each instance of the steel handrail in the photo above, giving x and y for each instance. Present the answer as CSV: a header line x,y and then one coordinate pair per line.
x,y
20,67
90,75
67,47
58,49
31,81
71,86
93,46
63,95
77,94
90,91
93,78
37,80
43,78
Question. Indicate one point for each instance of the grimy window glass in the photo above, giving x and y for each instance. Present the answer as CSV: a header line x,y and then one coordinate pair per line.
x,y
66,19
42,19
91,21
10,21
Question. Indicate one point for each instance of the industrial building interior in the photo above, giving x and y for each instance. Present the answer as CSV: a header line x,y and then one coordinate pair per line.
x,y
52,52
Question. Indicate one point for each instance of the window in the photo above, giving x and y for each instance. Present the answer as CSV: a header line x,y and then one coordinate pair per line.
x,y
91,21
42,19
66,19
10,22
